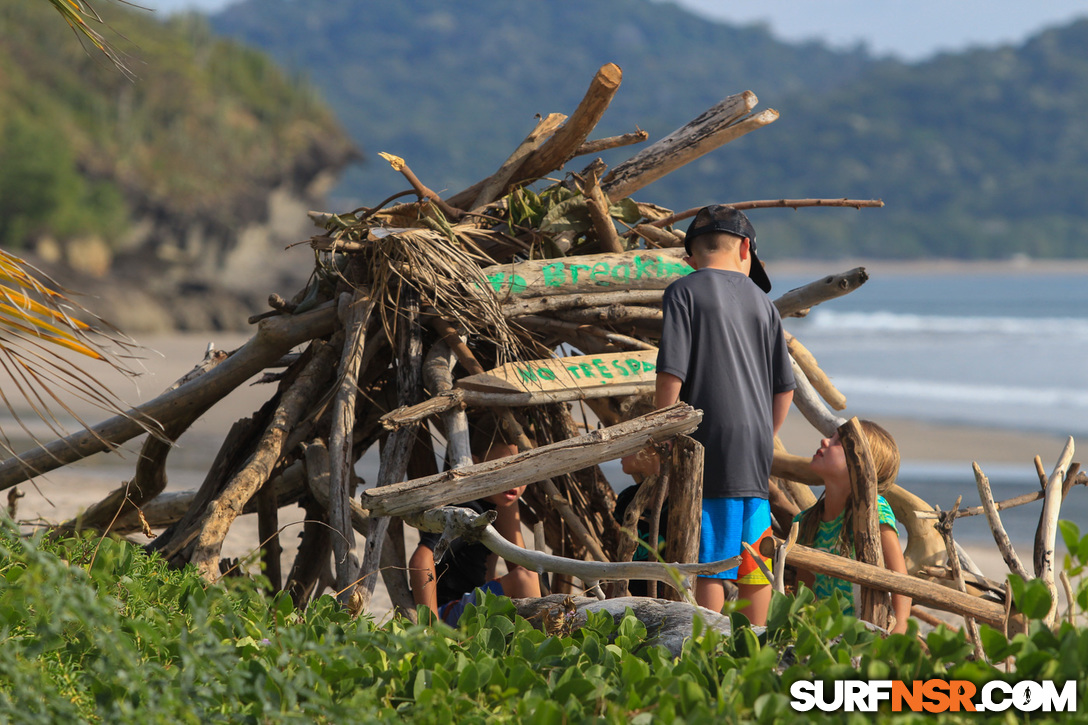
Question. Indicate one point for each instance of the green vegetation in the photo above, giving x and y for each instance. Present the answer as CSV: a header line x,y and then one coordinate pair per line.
x,y
97,631
977,155
206,127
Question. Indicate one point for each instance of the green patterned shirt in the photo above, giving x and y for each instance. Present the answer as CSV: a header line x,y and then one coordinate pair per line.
x,y
827,539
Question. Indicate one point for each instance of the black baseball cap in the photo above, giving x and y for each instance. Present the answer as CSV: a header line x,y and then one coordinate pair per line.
x,y
722,218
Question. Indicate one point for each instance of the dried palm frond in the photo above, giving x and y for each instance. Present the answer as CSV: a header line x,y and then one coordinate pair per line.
x,y
37,323
79,15
448,278
442,261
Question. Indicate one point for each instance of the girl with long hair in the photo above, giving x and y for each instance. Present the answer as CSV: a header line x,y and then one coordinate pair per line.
x,y
829,525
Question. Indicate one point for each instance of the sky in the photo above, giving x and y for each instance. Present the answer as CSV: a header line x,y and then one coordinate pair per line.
x,y
910,30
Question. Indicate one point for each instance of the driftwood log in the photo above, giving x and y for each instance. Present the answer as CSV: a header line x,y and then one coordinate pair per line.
x,y
877,577
454,522
275,337
484,479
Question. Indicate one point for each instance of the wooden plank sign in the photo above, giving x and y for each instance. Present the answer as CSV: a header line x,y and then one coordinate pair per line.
x,y
639,269
568,373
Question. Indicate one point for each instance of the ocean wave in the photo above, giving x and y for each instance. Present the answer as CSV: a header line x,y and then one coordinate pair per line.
x,y
965,393
884,321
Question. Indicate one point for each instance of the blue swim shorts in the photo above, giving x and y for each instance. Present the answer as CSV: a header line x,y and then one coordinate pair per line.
x,y
726,523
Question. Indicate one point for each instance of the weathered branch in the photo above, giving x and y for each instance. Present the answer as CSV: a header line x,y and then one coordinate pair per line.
x,y
456,521
715,127
491,477
1001,538
795,468
659,236
228,505
1015,501
611,315
564,143
685,503
477,398
945,527
539,322
493,185
774,204
597,203
578,530
1046,534
797,302
646,492
537,305
874,605
354,310
400,443
150,477
170,506
925,547
274,337
437,374
877,577
612,142
812,408
451,212
820,382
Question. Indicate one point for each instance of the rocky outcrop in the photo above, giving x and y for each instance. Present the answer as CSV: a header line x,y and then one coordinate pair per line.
x,y
208,268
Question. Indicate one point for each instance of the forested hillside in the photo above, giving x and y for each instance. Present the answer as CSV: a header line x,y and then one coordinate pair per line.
x,y
165,180
980,154
452,87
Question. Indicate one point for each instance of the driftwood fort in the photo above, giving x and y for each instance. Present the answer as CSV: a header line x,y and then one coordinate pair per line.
x,y
428,316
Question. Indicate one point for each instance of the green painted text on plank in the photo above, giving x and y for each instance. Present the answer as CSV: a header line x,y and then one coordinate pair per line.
x,y
594,369
602,274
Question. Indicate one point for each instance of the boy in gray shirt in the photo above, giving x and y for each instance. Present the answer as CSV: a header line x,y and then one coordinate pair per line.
x,y
723,352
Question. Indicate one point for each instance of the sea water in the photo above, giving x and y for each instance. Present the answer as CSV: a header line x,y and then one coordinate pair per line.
x,y
1000,350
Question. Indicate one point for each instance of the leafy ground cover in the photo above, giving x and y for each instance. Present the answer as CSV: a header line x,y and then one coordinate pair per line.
x,y
95,630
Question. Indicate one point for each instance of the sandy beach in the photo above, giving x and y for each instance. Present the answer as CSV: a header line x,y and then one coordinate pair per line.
x,y
63,493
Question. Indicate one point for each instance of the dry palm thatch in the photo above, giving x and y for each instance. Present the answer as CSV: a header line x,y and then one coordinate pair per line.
x,y
441,261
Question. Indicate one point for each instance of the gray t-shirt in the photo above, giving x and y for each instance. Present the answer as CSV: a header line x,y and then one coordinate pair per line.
x,y
723,338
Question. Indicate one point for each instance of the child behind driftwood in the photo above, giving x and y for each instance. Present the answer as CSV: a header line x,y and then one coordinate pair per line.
x,y
446,587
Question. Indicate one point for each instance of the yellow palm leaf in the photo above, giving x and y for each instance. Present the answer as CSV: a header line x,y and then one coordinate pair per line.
x,y
38,322
79,15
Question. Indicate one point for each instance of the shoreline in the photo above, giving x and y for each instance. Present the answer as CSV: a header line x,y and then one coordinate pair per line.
x,y
923,441
906,267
